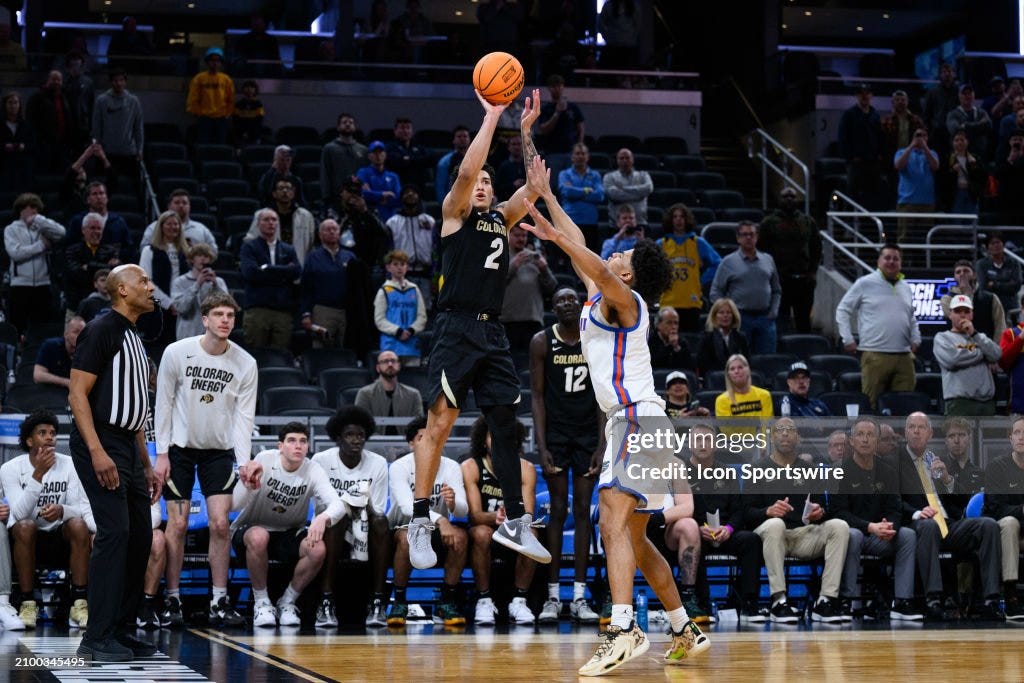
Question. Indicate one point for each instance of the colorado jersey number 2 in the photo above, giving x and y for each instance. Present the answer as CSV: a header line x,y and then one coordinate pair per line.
x,y
575,379
491,262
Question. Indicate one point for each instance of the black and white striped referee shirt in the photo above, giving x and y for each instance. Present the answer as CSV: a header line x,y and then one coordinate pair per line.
x,y
110,348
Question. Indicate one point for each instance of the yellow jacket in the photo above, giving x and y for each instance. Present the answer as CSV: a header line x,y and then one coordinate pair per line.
x,y
211,95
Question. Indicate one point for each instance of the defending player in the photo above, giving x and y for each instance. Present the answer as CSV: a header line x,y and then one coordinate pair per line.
x,y
613,329
205,408
471,350
570,435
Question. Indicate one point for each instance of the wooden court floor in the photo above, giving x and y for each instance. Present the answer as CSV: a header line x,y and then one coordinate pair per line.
x,y
832,655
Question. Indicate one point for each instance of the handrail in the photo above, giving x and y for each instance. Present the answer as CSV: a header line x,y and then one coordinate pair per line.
x,y
949,228
831,242
766,163
152,204
746,103
863,212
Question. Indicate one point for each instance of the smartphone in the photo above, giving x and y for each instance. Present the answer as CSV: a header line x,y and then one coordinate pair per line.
x,y
693,405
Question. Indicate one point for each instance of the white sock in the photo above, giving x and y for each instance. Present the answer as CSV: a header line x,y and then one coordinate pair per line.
x,y
579,588
260,595
289,597
678,618
5,598
176,593
622,616
219,593
553,593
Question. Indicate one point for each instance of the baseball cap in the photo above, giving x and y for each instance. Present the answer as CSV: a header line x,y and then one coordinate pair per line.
x,y
966,86
961,301
798,368
284,149
676,377
214,51
375,145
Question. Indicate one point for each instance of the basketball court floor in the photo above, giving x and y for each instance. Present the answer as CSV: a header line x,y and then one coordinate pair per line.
x,y
434,653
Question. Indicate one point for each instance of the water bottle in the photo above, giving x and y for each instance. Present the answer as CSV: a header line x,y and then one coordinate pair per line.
x,y
785,406
641,609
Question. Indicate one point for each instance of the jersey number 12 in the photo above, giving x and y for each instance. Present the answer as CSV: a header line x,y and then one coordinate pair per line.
x,y
575,378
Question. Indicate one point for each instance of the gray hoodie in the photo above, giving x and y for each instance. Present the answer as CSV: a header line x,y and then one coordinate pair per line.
x,y
28,251
117,123
964,361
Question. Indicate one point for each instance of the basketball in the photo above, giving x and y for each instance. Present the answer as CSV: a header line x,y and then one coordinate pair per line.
x,y
499,77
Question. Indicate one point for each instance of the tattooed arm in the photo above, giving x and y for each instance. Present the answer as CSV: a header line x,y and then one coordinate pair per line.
x,y
515,208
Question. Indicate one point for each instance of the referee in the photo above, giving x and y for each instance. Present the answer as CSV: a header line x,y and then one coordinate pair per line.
x,y
110,402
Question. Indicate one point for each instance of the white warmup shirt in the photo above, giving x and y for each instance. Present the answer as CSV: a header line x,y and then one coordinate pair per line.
x,y
60,486
282,500
372,469
402,478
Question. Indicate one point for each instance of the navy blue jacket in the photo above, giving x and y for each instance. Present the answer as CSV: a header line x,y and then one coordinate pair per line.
x,y
269,286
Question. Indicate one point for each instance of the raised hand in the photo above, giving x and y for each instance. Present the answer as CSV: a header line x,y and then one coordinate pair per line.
x,y
542,228
490,109
531,110
538,177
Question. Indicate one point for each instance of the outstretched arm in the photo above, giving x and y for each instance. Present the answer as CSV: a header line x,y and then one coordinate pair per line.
x,y
456,204
514,209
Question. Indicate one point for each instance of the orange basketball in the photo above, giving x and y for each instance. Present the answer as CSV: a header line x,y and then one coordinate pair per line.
x,y
499,77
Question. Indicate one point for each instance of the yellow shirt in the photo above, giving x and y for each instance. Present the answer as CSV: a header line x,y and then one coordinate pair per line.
x,y
755,403
211,95
685,291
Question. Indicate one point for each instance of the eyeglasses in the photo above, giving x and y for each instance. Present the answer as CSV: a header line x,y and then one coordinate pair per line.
x,y
745,234
785,429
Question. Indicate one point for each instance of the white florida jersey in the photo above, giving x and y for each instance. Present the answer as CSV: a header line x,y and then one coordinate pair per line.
x,y
618,357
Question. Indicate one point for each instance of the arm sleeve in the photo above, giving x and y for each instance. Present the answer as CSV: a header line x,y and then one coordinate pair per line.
x,y
380,312
709,261
245,415
50,229
398,483
420,323
597,194
776,288
325,493
989,349
454,476
22,501
949,357
166,391
184,294
847,305
80,506
241,497
18,248
1010,344
379,489
719,283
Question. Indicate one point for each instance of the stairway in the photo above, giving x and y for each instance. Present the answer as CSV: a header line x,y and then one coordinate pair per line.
x,y
727,155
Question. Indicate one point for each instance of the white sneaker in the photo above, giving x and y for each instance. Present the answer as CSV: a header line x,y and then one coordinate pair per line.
x,y
9,618
485,611
581,611
421,554
551,610
518,535
519,612
615,649
264,614
289,614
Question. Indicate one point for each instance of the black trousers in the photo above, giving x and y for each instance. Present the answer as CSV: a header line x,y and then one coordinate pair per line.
x,y
798,296
120,552
746,546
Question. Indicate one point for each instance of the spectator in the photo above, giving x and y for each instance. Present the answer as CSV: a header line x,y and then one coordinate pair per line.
x,y
860,143
413,232
899,125
581,191
938,519
792,239
678,399
408,33
668,349
968,477
941,99
620,23
888,443
12,55
916,166
628,186
1011,343
406,158
129,41
51,118
399,311
529,284
963,179
511,171
741,398
798,402
1007,124
386,396
360,478
17,146
280,169
973,120
449,163
98,302
195,232
117,125
966,357
989,317
741,277
115,229
837,447
92,163
327,278
81,96
629,233
189,290
374,43
791,521
247,121
361,229
296,225
694,263
997,273
889,336
1004,502
269,267
1010,174
82,259
874,520
257,44
211,99
562,124
485,501
29,242
164,259
500,24
53,362
721,338
381,188
999,100
341,158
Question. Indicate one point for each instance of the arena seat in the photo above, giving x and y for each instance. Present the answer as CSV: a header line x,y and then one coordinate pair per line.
x,y
805,345
902,403
834,364
274,401
271,378
838,400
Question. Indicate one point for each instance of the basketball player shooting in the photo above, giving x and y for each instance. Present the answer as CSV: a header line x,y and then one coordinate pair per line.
x,y
613,329
471,350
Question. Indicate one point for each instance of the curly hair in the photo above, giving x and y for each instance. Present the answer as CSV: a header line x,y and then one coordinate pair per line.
x,y
478,438
350,415
652,272
39,416
414,426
